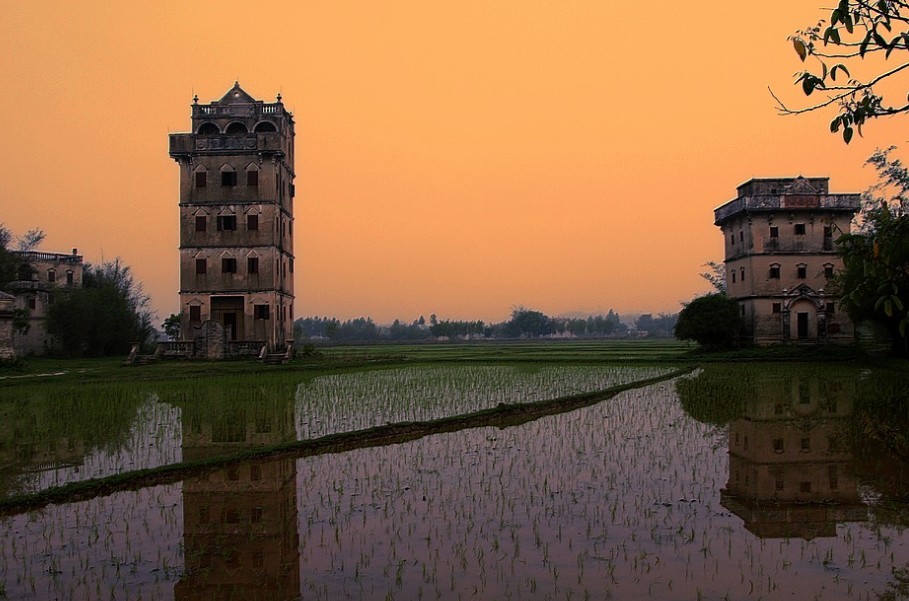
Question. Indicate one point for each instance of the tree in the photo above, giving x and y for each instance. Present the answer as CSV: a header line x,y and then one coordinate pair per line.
x,y
716,276
874,282
171,326
103,317
712,321
10,259
858,29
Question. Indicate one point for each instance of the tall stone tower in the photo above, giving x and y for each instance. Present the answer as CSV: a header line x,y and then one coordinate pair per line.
x,y
236,218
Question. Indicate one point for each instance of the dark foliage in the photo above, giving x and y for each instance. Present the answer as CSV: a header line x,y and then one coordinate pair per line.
x,y
712,321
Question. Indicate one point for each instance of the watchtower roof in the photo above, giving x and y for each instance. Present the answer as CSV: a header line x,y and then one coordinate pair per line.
x,y
236,95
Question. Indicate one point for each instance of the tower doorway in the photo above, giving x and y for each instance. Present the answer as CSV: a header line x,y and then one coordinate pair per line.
x,y
802,325
228,311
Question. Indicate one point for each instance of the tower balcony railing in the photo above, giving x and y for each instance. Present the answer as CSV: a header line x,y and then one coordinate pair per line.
x,y
829,202
239,110
185,144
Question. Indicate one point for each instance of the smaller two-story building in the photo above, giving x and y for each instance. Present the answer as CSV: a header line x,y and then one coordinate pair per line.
x,y
780,256
39,274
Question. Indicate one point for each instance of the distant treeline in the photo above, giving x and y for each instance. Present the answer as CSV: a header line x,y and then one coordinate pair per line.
x,y
524,323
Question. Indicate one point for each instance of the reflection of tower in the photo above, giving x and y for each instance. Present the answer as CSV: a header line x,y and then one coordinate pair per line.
x,y
789,466
240,523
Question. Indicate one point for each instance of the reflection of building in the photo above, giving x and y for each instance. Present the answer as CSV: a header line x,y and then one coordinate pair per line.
x,y
780,253
39,274
236,218
240,523
790,468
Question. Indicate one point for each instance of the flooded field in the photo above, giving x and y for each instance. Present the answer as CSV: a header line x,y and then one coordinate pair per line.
x,y
733,482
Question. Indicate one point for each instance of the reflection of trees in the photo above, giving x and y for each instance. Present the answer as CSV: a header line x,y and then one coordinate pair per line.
x,y
47,426
240,522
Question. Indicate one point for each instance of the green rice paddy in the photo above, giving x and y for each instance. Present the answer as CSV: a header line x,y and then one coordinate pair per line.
x,y
771,481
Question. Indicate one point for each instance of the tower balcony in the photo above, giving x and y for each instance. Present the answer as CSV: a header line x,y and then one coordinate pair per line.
x,y
186,145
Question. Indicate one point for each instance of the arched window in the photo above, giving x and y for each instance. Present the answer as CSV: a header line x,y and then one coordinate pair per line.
x,y
236,128
208,129
51,275
264,127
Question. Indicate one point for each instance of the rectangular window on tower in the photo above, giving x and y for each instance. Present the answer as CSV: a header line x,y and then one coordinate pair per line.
x,y
252,265
252,222
260,312
200,223
227,223
774,272
228,178
799,229
228,265
774,231
201,266
252,178
802,271
201,179
195,313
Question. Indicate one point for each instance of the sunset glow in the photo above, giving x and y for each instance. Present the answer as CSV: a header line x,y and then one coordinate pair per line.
x,y
456,158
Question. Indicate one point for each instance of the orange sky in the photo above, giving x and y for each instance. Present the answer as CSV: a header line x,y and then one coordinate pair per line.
x,y
453,157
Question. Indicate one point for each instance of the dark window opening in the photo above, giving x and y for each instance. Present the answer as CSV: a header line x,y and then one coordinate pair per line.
x,y
51,275
774,231
201,266
833,477
777,308
227,223
195,313
802,271
806,445
741,236
252,265
228,178
291,261
774,272
252,221
742,274
293,190
778,445
731,238
733,276
265,127
804,486
236,128
201,223
830,308
799,229
261,312
69,278
252,178
201,179
228,265
828,271
828,231
209,129
32,303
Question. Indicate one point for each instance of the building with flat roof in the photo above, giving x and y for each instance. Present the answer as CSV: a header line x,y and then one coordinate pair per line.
x,y
40,273
236,219
780,255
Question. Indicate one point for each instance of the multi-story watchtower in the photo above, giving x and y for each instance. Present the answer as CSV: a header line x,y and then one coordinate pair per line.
x,y
780,254
236,218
